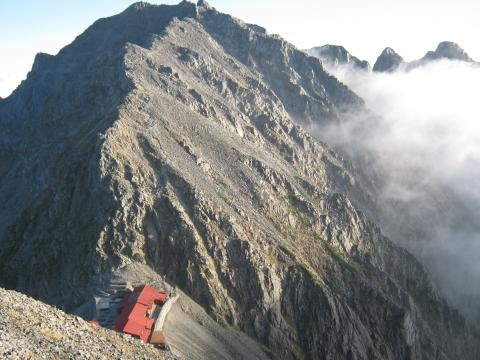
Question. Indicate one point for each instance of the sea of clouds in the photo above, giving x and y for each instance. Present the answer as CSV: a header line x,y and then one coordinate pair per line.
x,y
425,143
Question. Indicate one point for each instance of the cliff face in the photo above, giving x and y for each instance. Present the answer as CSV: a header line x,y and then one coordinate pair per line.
x,y
172,136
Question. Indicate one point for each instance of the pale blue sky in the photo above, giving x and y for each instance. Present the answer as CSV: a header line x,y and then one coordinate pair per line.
x,y
364,27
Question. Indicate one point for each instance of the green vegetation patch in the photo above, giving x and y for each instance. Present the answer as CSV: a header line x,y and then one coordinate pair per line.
x,y
257,199
292,199
338,255
287,251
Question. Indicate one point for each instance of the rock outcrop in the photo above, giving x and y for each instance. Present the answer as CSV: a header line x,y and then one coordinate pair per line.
x,y
388,61
334,55
173,136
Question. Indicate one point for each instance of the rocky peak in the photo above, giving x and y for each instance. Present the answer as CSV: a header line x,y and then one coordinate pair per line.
x,y
204,4
388,61
448,50
334,55
42,60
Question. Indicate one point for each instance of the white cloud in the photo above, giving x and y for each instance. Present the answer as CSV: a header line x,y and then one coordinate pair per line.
x,y
426,144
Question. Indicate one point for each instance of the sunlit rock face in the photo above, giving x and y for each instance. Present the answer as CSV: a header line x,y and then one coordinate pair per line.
x,y
174,136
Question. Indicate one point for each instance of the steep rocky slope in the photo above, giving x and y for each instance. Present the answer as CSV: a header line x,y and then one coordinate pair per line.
x,y
29,329
172,136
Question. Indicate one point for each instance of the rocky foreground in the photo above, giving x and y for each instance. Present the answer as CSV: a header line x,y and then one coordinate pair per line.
x,y
29,329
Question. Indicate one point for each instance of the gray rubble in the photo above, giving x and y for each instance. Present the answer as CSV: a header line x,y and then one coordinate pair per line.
x,y
30,329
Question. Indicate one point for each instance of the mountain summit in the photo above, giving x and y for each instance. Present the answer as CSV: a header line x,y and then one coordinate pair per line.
x,y
176,138
448,50
388,61
334,55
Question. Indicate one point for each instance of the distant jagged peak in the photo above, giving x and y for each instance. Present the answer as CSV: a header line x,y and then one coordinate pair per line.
x,y
389,51
204,4
448,50
334,55
388,61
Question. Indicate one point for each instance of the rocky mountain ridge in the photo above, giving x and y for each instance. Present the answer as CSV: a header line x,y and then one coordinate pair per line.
x,y
174,137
